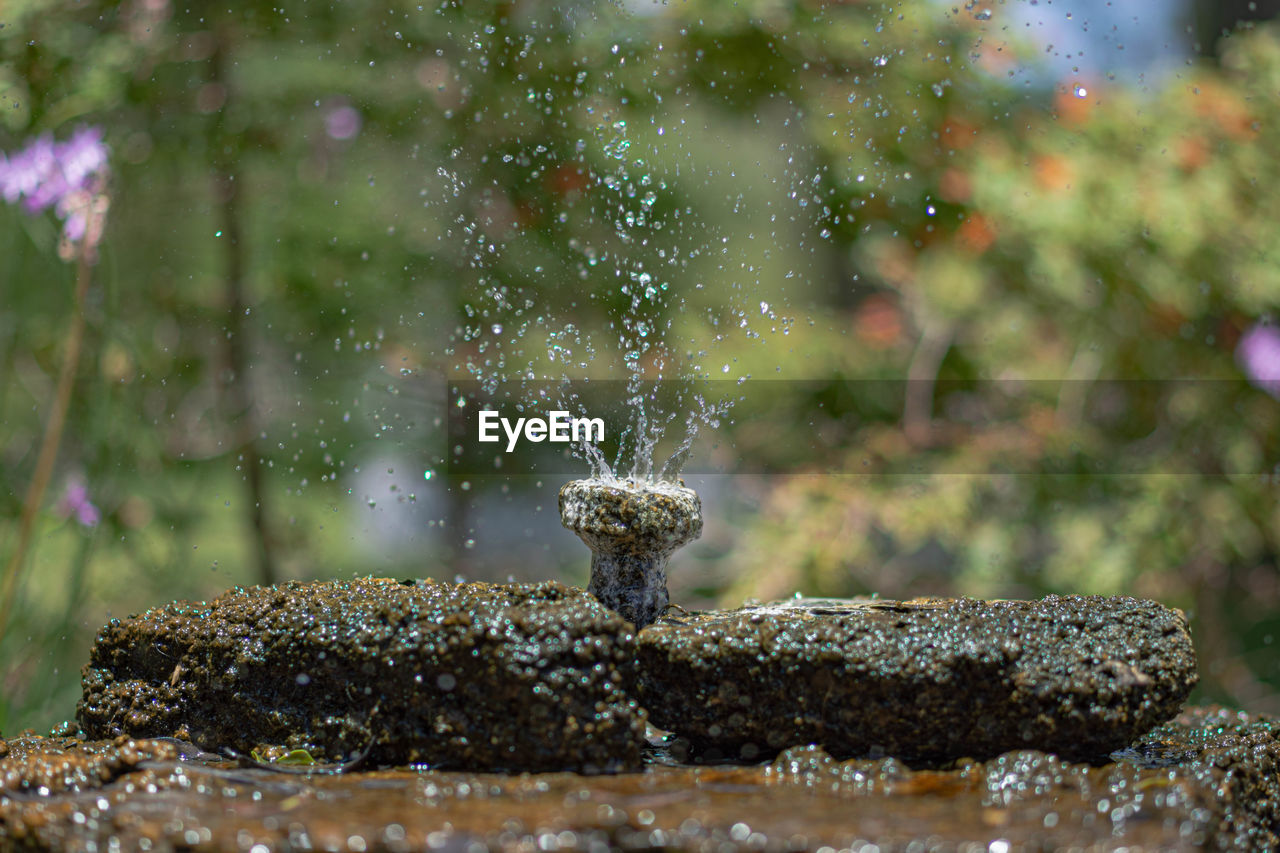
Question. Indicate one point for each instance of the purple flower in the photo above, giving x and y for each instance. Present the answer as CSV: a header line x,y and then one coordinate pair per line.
x,y
24,172
1258,354
69,176
82,160
76,502
342,122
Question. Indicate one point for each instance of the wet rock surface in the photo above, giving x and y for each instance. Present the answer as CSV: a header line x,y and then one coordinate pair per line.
x,y
930,679
469,676
59,765
1206,780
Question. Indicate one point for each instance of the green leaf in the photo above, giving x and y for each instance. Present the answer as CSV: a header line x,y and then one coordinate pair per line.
x,y
298,757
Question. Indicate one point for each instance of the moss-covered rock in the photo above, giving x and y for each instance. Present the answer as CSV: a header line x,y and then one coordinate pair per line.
x,y
929,679
474,676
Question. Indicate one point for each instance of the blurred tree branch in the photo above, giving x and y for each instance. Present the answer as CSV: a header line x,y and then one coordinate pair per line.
x,y
237,386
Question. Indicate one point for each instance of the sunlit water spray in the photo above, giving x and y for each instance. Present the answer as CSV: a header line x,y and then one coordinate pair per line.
x,y
636,266
632,511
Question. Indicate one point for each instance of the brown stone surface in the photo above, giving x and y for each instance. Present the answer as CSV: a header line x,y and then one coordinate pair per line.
x,y
467,676
931,679
1207,780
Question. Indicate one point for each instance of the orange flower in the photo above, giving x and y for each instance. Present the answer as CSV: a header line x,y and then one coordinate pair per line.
x,y
958,133
878,322
1074,103
976,234
1053,172
1192,153
1225,109
954,186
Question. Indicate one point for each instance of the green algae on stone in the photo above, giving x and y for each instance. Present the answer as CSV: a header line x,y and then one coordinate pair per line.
x,y
632,531
931,679
1206,780
472,676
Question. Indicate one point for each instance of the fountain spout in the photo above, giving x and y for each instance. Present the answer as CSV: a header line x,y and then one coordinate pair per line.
x,y
632,530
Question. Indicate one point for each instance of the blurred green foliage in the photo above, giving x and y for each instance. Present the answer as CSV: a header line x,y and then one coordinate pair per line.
x,y
348,200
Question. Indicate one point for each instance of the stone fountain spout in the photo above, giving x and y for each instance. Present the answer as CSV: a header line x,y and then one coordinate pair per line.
x,y
632,530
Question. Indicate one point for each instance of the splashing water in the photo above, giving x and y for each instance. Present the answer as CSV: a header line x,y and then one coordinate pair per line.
x,y
632,266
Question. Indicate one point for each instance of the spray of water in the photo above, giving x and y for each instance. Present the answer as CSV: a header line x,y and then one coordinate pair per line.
x,y
634,266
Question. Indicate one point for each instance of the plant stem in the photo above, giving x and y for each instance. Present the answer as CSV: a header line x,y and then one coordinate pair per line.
x,y
48,444
922,376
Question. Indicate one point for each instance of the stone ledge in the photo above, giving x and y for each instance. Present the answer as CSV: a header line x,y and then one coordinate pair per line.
x,y
931,679
472,676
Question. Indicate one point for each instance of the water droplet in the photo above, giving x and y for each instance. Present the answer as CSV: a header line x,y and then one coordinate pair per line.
x,y
1081,92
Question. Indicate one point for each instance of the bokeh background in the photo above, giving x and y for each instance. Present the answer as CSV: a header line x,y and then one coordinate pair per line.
x,y
990,285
